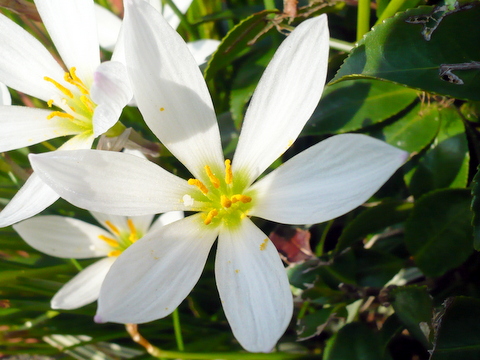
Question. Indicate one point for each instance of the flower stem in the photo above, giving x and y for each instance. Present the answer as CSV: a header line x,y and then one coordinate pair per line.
x,y
178,330
132,329
363,18
321,244
76,264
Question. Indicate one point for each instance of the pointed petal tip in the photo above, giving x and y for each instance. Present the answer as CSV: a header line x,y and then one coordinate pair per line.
x,y
98,319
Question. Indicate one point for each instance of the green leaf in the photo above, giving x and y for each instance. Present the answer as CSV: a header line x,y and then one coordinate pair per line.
x,y
355,341
412,47
413,307
235,43
414,131
438,232
352,105
446,163
313,324
375,268
458,330
476,210
372,220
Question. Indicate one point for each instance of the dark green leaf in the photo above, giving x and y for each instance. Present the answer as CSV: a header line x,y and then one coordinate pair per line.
x,y
445,164
372,220
412,47
235,43
413,307
438,232
476,210
375,268
355,341
313,324
352,105
457,333
412,132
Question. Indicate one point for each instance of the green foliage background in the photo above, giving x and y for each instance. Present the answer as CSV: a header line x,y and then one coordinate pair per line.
x,y
397,278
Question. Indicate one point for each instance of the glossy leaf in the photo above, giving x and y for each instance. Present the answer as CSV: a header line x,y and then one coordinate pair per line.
x,y
235,43
372,220
458,330
438,232
412,47
414,131
352,105
475,206
375,268
413,306
445,164
355,341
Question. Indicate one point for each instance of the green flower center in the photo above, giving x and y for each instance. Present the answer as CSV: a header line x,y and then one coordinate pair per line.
x,y
221,200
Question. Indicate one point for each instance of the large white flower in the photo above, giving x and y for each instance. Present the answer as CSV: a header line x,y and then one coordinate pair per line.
x,y
5,98
71,238
85,101
109,26
327,180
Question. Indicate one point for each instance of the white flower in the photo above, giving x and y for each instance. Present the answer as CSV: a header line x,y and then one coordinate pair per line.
x,y
85,102
5,98
109,26
71,238
327,180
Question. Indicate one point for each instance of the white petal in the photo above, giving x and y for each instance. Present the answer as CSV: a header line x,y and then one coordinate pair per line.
x,y
80,141
170,90
253,287
84,288
5,98
23,126
111,182
108,26
152,277
32,198
25,62
63,237
285,98
166,219
73,29
111,91
327,180
141,223
201,49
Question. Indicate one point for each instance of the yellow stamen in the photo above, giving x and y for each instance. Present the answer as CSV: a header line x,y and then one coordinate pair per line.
x,y
60,114
87,102
50,103
199,185
108,240
228,172
112,227
263,245
243,198
162,109
133,231
73,79
213,179
225,201
59,86
115,253
211,214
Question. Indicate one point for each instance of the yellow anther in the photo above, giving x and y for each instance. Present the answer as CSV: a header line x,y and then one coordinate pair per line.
x,y
60,114
73,79
264,244
87,103
59,86
112,227
243,198
133,231
50,103
213,179
225,201
211,214
199,185
115,253
162,109
228,172
108,240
